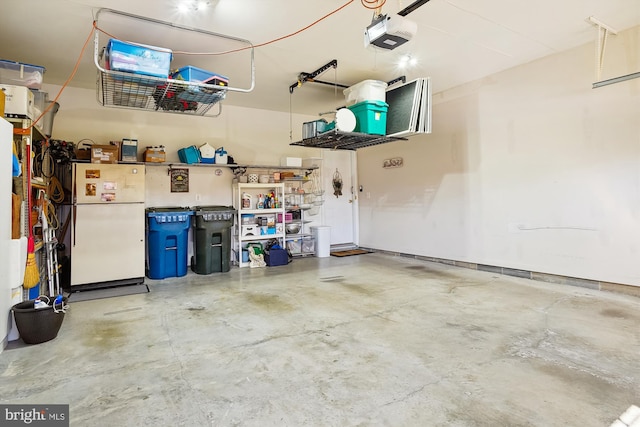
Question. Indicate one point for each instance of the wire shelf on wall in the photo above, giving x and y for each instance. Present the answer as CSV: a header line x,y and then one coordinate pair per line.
x,y
337,140
127,90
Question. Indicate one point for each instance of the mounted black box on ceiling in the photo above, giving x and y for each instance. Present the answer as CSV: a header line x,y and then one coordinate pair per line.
x,y
386,32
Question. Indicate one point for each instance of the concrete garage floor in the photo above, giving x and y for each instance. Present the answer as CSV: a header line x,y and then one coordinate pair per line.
x,y
370,340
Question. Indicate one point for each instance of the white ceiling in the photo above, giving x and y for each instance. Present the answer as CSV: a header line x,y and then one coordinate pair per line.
x,y
457,40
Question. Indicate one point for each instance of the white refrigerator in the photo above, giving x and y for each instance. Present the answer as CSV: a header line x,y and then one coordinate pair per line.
x,y
108,225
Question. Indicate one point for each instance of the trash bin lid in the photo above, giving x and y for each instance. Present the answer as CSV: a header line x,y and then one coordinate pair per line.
x,y
170,209
162,215
215,213
199,209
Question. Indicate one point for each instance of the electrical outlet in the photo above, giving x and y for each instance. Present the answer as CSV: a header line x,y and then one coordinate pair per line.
x,y
198,197
368,194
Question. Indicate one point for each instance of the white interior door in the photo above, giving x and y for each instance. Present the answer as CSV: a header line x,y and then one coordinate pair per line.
x,y
341,212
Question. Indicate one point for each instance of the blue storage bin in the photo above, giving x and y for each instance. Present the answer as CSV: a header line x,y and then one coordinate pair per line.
x,y
274,257
167,240
138,58
198,75
198,93
189,155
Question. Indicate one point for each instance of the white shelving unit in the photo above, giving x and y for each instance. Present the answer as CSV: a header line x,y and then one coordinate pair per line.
x,y
246,231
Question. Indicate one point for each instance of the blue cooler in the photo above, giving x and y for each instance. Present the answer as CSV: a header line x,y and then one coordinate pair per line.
x,y
167,240
189,155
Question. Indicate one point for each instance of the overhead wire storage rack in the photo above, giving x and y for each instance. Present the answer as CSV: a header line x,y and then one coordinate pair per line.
x,y
338,140
143,92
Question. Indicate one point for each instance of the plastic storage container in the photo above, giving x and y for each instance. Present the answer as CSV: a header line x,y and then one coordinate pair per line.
x,y
366,90
371,117
138,58
198,75
189,155
167,239
19,74
212,239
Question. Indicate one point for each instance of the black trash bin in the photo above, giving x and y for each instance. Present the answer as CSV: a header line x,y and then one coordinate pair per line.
x,y
212,239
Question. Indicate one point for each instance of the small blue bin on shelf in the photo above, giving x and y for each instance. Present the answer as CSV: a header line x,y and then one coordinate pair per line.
x,y
189,155
167,240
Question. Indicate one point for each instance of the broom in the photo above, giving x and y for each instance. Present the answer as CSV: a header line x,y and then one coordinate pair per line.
x,y
31,273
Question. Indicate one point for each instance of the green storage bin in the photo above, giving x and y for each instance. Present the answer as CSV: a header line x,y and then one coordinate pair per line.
x,y
371,117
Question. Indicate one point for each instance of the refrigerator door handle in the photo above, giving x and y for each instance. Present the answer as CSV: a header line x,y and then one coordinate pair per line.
x,y
73,229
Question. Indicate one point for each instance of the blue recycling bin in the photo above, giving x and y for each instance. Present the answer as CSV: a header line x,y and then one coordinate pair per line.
x,y
167,240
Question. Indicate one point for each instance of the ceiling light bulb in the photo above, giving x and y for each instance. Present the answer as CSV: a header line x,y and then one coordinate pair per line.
x,y
183,7
406,61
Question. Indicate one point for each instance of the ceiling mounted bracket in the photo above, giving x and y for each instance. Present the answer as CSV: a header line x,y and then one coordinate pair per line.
x,y
603,31
402,79
311,77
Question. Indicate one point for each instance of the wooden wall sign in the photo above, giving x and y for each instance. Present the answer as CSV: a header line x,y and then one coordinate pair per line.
x,y
179,180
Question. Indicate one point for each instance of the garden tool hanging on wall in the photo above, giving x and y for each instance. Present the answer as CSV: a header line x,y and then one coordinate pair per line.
x,y
337,184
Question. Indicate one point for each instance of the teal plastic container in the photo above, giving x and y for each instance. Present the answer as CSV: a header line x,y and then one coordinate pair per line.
x,y
189,155
371,117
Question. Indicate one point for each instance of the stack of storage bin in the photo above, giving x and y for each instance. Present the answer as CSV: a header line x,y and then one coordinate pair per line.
x,y
367,102
168,236
212,239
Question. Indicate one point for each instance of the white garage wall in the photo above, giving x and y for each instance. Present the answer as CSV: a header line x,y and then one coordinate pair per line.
x,y
528,169
251,136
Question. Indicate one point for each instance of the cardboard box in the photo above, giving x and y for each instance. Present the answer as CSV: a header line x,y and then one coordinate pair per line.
x,y
104,154
155,155
117,144
19,102
129,150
